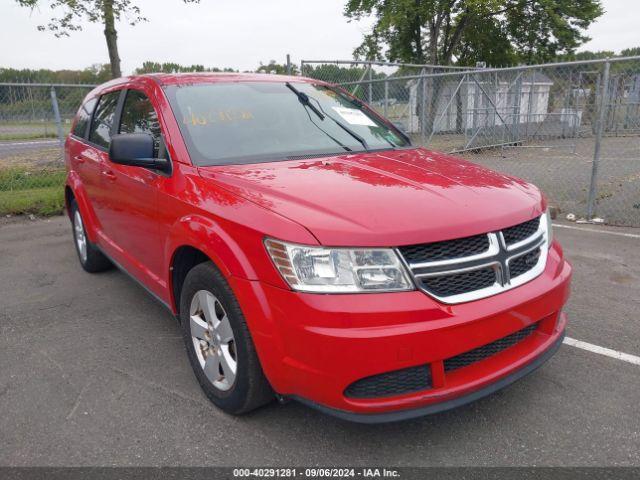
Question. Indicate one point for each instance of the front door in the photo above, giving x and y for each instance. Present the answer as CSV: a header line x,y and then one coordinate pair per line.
x,y
131,198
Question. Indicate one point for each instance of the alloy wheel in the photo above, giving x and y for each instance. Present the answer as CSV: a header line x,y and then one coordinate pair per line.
x,y
213,339
80,236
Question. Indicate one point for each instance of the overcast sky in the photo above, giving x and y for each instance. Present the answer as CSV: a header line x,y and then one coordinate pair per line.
x,y
238,34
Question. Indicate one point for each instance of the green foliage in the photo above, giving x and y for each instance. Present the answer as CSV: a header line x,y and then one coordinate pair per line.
x,y
488,42
104,12
543,29
24,191
72,11
26,111
587,55
629,68
630,52
91,75
20,178
39,201
277,68
499,32
337,74
171,67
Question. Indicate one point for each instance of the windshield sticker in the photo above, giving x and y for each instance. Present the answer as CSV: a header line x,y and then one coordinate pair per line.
x,y
354,117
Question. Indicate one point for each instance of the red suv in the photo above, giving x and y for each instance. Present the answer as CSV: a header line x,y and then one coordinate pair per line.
x,y
308,250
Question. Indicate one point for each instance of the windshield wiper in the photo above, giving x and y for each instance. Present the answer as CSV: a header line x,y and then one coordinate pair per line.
x,y
346,129
306,101
362,106
327,133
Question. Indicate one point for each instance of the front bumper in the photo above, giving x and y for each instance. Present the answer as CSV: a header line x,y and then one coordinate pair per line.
x,y
398,415
312,347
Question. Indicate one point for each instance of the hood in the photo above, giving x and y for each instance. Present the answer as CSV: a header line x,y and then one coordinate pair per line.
x,y
390,198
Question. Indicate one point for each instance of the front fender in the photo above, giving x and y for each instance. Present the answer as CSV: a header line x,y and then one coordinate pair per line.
x,y
213,240
216,238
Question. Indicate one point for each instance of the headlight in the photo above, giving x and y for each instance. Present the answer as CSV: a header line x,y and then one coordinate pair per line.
x,y
338,270
549,227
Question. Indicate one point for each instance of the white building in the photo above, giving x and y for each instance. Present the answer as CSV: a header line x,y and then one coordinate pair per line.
x,y
485,103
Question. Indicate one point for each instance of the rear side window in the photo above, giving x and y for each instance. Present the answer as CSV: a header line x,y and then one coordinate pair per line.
x,y
139,116
84,117
100,132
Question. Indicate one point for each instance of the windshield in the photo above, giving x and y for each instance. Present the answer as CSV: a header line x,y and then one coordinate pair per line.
x,y
226,123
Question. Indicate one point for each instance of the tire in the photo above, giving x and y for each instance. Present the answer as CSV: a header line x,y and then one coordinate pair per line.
x,y
91,258
217,339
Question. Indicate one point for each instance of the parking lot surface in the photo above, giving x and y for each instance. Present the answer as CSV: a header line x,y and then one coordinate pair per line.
x,y
93,372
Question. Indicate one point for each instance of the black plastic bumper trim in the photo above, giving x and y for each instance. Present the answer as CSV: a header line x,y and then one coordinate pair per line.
x,y
400,415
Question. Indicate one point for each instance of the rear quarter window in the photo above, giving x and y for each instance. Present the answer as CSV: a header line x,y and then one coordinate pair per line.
x,y
83,118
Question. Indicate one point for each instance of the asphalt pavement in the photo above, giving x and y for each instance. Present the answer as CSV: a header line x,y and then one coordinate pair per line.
x,y
93,372
25,146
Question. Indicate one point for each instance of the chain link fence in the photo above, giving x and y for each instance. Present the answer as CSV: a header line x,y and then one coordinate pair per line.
x,y
34,120
571,128
380,84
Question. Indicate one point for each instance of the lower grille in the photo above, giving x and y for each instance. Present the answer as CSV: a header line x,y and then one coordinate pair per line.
x,y
391,383
486,351
456,283
415,379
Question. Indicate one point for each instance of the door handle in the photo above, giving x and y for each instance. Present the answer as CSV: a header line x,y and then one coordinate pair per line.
x,y
79,158
109,174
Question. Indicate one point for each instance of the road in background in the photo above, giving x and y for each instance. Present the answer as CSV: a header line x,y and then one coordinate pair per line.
x,y
8,149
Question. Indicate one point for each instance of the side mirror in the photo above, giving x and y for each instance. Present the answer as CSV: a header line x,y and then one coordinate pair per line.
x,y
136,150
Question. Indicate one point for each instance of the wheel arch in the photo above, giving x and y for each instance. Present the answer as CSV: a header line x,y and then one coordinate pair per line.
x,y
183,260
195,239
74,190
68,198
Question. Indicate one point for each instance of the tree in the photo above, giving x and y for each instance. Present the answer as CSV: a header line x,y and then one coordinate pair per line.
x,y
502,31
276,68
337,74
171,67
630,52
588,55
91,75
106,12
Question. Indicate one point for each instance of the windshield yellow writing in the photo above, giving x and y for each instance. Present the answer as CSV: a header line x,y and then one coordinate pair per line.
x,y
216,116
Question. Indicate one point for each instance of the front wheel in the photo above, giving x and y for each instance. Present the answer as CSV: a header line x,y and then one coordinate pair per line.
x,y
219,345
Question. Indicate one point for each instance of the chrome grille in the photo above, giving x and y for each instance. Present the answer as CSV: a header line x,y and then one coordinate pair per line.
x,y
470,268
450,249
522,264
457,283
520,232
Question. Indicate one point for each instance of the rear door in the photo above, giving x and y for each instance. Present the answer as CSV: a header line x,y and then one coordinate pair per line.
x,y
95,155
80,157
